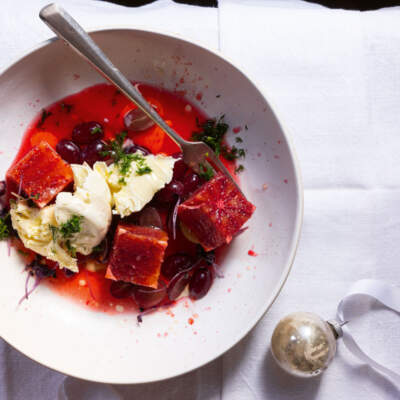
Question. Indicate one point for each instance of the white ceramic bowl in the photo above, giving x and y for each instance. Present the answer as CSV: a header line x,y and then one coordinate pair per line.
x,y
71,339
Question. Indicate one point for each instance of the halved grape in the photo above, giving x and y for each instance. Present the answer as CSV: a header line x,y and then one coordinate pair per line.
x,y
149,216
136,120
146,297
121,290
178,283
200,283
176,263
87,132
69,151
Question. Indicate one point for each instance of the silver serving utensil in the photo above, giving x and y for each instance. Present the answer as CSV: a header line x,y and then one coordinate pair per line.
x,y
195,154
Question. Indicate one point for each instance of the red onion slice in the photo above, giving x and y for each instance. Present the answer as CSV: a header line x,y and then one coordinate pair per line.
x,y
174,217
27,290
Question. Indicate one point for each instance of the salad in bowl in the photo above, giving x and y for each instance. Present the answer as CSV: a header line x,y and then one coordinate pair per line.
x,y
102,207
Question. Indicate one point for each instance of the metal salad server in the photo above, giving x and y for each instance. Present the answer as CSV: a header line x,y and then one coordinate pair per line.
x,y
197,155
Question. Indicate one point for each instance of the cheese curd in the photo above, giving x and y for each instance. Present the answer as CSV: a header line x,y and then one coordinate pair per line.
x,y
131,192
92,202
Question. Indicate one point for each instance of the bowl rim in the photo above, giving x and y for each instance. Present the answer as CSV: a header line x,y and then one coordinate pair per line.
x,y
298,182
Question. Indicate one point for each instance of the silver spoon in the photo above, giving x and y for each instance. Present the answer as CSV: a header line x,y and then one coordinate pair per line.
x,y
195,154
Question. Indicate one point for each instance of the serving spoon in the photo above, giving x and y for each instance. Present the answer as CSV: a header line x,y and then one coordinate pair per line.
x,y
196,155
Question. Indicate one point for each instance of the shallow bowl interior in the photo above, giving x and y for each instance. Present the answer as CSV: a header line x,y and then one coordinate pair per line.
x,y
111,348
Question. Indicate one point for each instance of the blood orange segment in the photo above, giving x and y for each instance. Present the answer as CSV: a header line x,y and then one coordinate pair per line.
x,y
152,138
43,136
215,212
137,254
41,174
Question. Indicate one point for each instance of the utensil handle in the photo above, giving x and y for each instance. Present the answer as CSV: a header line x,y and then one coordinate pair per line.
x,y
73,34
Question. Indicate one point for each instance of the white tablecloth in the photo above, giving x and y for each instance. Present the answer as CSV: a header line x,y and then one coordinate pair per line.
x,y
334,77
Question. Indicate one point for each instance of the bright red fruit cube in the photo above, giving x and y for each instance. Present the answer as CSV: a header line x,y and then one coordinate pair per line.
x,y
215,212
41,174
137,255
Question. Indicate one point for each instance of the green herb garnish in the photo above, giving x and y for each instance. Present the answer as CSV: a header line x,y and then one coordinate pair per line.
x,y
141,167
233,153
66,107
239,168
5,227
96,129
45,114
206,172
72,226
212,133
238,139
70,248
124,160
54,231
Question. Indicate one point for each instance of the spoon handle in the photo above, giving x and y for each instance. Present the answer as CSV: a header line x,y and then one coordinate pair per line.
x,y
73,34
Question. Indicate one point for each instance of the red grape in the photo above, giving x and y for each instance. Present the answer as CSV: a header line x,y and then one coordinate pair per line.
x,y
149,216
200,283
87,132
69,151
168,193
92,152
180,167
120,289
176,263
2,188
136,120
146,297
178,284
130,147
190,183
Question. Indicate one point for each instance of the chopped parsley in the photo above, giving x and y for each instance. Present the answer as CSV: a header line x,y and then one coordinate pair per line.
x,y
239,168
54,231
66,107
96,129
66,231
45,114
72,226
5,227
124,160
233,153
206,172
212,133
70,248
238,140
141,167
